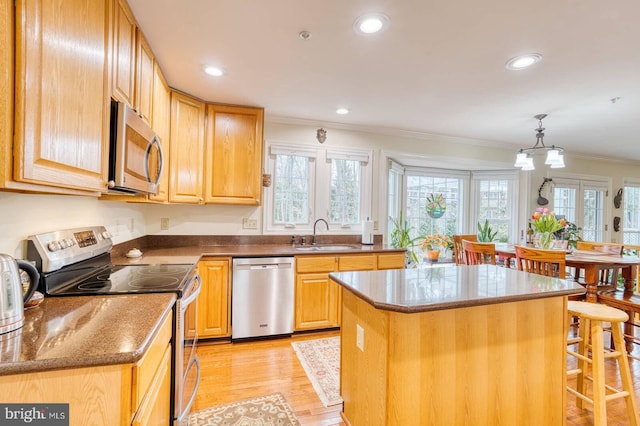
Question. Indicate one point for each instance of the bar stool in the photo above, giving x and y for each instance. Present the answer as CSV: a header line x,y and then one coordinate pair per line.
x,y
591,316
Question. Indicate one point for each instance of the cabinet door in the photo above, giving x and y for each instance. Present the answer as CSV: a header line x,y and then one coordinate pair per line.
x,y
156,406
123,57
144,79
186,149
234,155
160,122
316,302
391,261
213,301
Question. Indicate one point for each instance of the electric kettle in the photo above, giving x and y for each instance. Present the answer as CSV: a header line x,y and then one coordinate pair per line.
x,y
12,299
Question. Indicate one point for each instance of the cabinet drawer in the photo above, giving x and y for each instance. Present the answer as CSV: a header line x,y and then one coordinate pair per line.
x,y
145,370
357,263
316,264
391,261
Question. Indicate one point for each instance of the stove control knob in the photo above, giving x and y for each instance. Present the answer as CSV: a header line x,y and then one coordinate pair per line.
x,y
70,242
106,234
63,244
53,246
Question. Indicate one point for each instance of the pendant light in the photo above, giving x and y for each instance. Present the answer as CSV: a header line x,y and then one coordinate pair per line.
x,y
555,158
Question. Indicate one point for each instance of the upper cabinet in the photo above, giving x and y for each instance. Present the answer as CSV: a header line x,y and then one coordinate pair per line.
x,y
234,155
186,153
161,123
144,79
62,110
123,59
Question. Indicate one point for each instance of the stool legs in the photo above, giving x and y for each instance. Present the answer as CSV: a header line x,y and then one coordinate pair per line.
x,y
625,374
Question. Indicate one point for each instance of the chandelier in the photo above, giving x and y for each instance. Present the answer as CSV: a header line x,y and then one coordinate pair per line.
x,y
555,158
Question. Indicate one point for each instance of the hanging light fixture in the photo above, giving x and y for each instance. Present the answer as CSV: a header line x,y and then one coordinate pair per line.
x,y
555,158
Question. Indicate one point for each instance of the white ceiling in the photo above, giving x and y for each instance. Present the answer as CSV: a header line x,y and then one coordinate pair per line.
x,y
437,69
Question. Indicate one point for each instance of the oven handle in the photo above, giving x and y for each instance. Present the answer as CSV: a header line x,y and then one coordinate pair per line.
x,y
187,410
184,303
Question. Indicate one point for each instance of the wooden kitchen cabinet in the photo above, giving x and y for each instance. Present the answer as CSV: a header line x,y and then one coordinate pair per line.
x,y
214,303
144,90
161,124
123,56
119,394
61,140
186,152
233,173
317,298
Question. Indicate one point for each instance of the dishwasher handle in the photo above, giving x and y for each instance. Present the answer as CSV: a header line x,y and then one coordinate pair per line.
x,y
262,266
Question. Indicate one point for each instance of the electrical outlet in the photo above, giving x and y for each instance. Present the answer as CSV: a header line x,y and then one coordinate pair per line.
x,y
360,337
375,225
248,223
164,223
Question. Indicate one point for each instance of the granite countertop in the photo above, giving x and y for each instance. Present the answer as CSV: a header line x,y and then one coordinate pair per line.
x,y
84,331
192,254
449,287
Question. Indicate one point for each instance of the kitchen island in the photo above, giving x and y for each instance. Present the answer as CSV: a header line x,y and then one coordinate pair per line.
x,y
477,345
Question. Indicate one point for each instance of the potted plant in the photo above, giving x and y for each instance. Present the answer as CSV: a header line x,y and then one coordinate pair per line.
x,y
485,233
401,238
570,233
432,244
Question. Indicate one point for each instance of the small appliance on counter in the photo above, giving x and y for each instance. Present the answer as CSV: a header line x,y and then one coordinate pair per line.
x,y
12,299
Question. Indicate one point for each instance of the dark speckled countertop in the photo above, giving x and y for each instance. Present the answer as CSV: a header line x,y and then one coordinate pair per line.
x,y
450,287
84,331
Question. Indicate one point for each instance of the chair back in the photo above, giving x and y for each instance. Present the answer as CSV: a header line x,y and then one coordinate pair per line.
x,y
551,263
476,253
609,248
458,250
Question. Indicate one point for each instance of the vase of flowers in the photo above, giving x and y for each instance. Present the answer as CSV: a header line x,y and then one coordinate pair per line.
x,y
545,224
434,243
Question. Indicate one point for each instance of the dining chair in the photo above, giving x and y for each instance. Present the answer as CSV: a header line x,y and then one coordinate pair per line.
x,y
608,277
551,263
476,253
458,251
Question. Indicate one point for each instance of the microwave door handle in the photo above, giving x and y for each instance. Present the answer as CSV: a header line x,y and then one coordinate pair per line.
x,y
154,141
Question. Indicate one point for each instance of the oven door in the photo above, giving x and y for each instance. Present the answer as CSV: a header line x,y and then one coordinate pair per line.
x,y
187,365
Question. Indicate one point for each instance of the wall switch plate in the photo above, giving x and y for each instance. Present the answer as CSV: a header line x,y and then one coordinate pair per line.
x,y
248,223
164,223
360,337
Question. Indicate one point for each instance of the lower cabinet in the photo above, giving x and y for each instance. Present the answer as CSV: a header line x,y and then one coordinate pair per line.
x,y
121,394
214,302
318,299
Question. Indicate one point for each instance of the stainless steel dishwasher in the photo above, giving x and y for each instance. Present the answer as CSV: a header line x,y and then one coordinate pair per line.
x,y
262,297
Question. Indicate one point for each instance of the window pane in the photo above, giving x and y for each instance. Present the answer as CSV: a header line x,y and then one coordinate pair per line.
x,y
494,206
564,201
344,204
421,187
631,218
291,190
593,228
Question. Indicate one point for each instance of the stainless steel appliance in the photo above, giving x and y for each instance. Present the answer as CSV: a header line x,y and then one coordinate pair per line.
x,y
12,299
262,302
135,152
78,262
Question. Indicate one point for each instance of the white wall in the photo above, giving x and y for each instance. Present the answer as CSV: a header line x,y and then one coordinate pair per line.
x,y
25,214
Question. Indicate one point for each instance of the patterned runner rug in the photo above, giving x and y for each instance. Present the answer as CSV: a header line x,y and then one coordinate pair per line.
x,y
268,410
320,359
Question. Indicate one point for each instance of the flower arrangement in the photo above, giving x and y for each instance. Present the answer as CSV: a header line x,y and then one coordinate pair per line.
x,y
546,224
570,233
436,242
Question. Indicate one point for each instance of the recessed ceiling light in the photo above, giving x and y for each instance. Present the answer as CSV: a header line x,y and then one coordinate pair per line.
x,y
342,111
214,71
523,61
371,23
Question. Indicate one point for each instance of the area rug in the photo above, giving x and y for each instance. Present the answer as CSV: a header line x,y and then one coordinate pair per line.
x,y
268,410
320,359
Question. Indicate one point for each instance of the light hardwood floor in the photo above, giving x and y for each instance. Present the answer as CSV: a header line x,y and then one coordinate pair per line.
x,y
231,372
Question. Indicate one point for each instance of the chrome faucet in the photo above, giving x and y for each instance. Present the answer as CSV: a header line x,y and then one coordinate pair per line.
x,y
313,239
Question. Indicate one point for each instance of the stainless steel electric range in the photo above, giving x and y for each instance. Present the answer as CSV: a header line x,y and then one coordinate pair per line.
x,y
74,262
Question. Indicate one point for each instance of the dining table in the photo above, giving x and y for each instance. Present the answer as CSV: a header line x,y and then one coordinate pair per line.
x,y
592,262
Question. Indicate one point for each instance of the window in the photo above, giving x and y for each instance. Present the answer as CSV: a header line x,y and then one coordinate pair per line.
x,y
495,201
582,201
631,213
298,171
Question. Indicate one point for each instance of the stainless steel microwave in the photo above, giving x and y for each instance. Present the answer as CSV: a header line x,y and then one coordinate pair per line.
x,y
135,152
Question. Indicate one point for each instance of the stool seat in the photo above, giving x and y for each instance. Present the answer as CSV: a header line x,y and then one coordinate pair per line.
x,y
591,356
596,311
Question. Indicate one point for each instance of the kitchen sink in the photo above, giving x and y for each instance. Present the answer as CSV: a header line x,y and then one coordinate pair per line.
x,y
326,248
